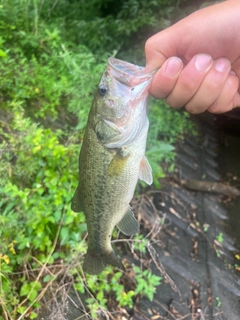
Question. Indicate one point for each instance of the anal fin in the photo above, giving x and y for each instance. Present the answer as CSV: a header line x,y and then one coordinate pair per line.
x,y
145,172
129,224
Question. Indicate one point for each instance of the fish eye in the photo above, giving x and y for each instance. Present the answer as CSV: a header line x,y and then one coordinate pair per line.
x,y
102,90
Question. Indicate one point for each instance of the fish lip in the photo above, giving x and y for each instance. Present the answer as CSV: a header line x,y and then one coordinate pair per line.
x,y
128,73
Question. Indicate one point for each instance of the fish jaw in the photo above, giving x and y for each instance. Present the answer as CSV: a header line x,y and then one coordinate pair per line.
x,y
128,73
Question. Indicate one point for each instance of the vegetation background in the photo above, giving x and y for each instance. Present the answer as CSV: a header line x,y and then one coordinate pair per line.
x,y
52,54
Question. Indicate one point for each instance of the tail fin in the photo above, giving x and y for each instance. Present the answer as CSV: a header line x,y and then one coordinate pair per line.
x,y
94,263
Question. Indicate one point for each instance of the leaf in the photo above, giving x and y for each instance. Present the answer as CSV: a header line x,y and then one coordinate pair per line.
x,y
48,278
2,53
33,315
57,215
64,235
25,289
79,287
36,284
150,295
21,309
32,296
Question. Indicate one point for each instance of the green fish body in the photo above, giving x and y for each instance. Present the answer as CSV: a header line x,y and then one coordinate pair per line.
x,y
112,160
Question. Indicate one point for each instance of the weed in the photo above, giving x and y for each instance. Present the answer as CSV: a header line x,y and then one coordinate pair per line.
x,y
218,302
206,227
109,284
146,282
237,266
219,238
140,243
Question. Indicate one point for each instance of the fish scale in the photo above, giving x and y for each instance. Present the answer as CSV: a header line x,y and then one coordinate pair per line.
x,y
112,159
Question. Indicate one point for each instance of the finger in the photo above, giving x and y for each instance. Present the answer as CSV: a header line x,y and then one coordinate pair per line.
x,y
187,37
236,100
165,44
236,69
189,80
225,101
165,79
154,56
211,86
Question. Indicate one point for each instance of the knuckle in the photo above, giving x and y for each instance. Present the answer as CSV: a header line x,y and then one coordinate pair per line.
x,y
212,86
193,109
188,88
220,108
187,85
149,45
173,102
232,82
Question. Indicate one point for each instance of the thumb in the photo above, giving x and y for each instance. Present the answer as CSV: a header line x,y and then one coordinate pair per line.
x,y
160,47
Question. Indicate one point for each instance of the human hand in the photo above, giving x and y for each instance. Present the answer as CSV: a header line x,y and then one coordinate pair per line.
x,y
200,60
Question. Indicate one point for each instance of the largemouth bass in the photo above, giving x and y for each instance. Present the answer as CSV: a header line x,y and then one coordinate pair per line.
x,y
112,160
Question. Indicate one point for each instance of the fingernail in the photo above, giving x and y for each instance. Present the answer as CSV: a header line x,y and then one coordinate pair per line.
x,y
233,72
174,65
222,65
203,61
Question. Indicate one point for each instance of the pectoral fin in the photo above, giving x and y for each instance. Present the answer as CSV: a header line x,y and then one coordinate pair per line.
x,y
76,204
118,163
145,172
129,224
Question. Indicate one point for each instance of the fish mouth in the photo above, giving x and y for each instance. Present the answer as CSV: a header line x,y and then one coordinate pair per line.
x,y
130,83
127,73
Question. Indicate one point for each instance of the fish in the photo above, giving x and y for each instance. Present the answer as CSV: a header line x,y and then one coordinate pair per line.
x,y
112,159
